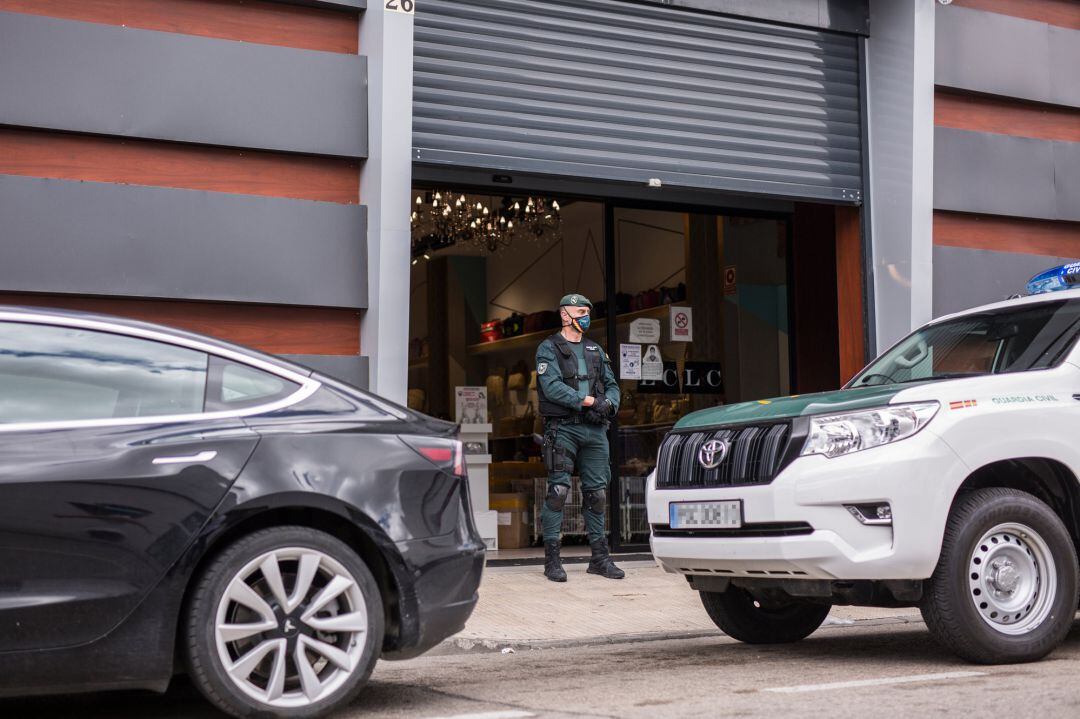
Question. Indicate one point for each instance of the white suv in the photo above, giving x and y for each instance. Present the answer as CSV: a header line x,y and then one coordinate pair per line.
x,y
944,476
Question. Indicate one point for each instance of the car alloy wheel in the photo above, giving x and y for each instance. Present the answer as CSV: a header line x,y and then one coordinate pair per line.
x,y
290,627
1012,578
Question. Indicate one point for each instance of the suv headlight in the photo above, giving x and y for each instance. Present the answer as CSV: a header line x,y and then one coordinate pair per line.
x,y
837,434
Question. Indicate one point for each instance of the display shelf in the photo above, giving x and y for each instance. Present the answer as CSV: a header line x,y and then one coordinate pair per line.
x,y
532,339
530,435
649,425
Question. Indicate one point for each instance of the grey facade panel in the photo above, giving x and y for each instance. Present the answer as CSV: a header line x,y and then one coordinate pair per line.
x,y
351,369
838,15
92,238
628,92
1067,179
1006,175
1064,66
1002,55
1001,274
330,4
86,77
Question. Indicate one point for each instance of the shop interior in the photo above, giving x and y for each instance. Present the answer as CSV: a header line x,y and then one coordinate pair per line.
x,y
694,307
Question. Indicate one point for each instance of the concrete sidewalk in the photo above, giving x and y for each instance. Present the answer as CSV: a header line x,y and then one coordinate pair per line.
x,y
519,609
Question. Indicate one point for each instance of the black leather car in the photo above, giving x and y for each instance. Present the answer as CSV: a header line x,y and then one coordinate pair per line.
x,y
172,503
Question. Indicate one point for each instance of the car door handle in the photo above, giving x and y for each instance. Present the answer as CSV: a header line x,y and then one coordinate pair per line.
x,y
191,459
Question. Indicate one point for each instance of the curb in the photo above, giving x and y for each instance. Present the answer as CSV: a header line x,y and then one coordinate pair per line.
x,y
465,645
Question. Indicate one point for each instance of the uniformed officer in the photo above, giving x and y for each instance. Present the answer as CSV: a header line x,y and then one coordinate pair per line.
x,y
578,397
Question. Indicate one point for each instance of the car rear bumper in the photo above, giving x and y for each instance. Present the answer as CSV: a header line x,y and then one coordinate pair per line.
x,y
442,596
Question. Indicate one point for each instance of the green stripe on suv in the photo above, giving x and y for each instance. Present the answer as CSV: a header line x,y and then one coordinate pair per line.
x,y
844,400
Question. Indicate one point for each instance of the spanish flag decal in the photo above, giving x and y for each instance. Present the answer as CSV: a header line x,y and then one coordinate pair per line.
x,y
963,404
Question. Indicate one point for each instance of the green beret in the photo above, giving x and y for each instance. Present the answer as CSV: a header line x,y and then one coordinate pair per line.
x,y
575,301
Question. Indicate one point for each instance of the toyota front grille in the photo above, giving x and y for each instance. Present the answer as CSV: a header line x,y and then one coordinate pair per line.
x,y
728,457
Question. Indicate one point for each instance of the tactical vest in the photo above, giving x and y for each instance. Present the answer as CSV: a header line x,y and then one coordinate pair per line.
x,y
568,366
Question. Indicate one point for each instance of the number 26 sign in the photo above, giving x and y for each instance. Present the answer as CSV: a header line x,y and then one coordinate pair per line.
x,y
405,6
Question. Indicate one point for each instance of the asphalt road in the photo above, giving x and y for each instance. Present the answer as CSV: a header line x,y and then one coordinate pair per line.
x,y
869,669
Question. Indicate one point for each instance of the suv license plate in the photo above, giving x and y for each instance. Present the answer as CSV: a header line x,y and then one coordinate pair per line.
x,y
706,515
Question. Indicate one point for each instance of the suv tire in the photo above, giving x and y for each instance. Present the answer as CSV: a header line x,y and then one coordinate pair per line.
x,y
274,599
1005,587
742,617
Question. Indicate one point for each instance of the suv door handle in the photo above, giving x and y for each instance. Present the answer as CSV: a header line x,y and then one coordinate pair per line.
x,y
192,459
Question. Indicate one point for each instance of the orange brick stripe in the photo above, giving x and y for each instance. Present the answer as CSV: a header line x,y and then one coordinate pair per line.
x,y
983,113
1007,234
269,328
259,21
1063,13
163,164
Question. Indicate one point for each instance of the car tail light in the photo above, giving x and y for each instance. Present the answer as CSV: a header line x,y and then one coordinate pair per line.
x,y
446,454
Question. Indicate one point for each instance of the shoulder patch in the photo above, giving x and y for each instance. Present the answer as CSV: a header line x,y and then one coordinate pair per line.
x,y
541,367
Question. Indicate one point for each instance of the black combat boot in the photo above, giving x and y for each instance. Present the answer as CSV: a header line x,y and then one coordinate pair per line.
x,y
601,562
552,563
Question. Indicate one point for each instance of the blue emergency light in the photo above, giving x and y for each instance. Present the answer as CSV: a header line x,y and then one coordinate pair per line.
x,y
1064,277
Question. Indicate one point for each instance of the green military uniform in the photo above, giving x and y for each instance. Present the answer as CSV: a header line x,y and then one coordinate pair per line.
x,y
576,437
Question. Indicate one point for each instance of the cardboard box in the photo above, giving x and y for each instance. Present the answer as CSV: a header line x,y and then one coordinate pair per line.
x,y
514,519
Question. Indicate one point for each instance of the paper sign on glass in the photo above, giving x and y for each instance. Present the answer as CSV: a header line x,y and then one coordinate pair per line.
x,y
652,364
645,330
629,361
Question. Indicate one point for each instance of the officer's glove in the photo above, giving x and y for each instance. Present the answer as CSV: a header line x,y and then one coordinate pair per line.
x,y
601,412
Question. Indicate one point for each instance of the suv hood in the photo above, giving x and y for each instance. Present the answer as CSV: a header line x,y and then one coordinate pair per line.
x,y
797,405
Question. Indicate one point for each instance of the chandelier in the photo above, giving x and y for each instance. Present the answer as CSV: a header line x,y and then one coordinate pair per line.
x,y
442,218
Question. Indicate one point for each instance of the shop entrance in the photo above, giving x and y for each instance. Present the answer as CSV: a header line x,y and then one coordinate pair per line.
x,y
693,305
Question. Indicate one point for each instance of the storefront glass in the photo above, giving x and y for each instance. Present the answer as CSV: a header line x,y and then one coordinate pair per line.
x,y
701,319
692,309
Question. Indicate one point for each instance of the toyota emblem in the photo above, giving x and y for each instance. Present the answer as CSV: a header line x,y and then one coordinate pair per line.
x,y
712,453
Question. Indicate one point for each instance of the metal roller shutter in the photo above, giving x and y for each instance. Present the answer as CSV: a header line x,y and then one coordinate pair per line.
x,y
614,90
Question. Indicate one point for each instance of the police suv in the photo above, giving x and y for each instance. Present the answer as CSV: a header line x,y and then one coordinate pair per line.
x,y
945,475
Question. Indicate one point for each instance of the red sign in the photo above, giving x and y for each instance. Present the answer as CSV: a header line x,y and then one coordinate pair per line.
x,y
730,280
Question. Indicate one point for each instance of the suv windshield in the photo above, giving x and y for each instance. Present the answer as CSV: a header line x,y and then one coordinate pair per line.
x,y
1013,339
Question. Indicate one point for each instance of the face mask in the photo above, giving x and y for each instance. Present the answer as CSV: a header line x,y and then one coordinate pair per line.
x,y
578,323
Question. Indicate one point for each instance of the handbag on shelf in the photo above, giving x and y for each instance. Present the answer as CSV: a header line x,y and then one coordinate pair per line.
x,y
543,320
527,420
513,325
496,386
506,426
519,377
491,331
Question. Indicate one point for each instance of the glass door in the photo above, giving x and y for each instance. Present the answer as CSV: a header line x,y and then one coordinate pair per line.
x,y
697,312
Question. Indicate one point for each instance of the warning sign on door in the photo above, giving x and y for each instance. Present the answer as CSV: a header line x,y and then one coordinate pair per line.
x,y
682,324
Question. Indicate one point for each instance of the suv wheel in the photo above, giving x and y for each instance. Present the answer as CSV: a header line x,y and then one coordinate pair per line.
x,y
749,620
285,622
1005,587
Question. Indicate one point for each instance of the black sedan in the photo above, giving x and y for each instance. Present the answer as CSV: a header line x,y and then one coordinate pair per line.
x,y
172,503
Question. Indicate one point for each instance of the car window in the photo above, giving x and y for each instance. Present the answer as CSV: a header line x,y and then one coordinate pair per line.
x,y
1012,339
236,386
50,373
